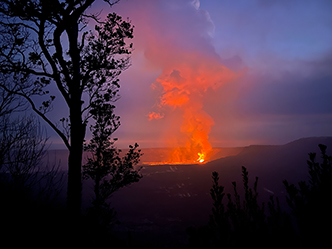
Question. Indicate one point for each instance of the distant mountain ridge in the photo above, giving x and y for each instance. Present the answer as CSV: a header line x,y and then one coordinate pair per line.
x,y
273,163
304,145
308,143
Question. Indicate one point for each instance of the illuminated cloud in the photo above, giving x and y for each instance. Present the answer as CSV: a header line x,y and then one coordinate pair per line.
x,y
154,115
189,68
284,94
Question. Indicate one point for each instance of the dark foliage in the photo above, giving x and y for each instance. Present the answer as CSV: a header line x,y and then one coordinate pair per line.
x,y
246,223
106,167
311,202
45,43
242,223
22,148
29,186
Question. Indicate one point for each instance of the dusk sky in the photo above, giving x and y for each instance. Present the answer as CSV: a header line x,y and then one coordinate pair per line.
x,y
248,71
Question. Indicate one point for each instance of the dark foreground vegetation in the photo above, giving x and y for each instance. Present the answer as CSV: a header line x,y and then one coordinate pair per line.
x,y
237,220
242,222
47,51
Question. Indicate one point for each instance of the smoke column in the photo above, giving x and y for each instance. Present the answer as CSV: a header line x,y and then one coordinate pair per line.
x,y
184,84
174,37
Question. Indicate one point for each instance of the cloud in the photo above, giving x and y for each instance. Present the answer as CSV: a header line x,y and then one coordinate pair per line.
x,y
175,37
154,115
285,52
298,87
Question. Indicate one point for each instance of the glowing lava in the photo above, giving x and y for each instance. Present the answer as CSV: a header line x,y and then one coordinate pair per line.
x,y
183,86
181,156
201,157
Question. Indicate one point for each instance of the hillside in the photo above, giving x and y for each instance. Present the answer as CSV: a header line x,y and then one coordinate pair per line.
x,y
170,198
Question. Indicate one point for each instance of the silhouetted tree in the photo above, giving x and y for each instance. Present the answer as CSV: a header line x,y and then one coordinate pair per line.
x,y
29,185
218,220
44,43
10,103
247,218
243,223
25,172
22,147
311,202
246,224
106,167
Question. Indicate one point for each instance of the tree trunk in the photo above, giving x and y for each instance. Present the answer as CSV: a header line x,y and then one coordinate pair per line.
x,y
97,192
74,171
75,158
77,129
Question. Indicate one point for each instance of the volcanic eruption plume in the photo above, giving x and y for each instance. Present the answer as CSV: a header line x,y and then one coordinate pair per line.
x,y
184,84
175,39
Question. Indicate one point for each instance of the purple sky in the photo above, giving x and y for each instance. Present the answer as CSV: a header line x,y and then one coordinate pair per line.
x,y
267,65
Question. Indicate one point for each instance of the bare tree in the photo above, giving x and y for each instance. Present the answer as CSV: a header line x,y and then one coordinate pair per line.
x,y
22,148
9,102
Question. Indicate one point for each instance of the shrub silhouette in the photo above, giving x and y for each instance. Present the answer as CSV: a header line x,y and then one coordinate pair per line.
x,y
311,202
29,186
245,223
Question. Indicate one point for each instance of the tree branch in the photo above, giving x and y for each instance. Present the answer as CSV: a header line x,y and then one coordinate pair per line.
x,y
19,24
82,41
94,17
49,58
33,106
111,3
59,53
74,14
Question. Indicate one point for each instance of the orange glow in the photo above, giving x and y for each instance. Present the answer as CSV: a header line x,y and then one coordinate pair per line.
x,y
181,156
154,115
201,157
184,84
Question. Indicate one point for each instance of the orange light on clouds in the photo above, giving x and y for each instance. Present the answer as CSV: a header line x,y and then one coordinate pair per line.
x,y
184,85
154,115
179,51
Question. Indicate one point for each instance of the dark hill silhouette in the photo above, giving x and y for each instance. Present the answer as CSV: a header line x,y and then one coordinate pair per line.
x,y
272,163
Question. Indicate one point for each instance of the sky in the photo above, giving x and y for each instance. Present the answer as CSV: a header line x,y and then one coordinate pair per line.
x,y
234,73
